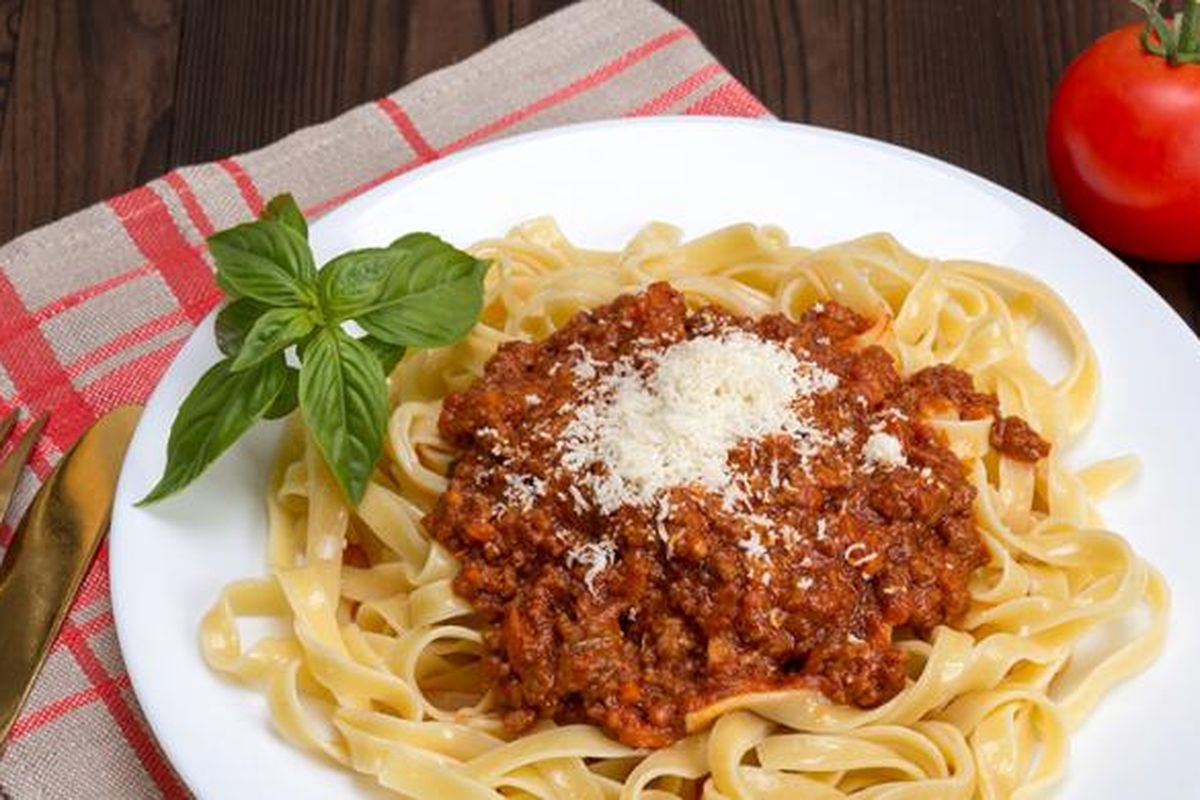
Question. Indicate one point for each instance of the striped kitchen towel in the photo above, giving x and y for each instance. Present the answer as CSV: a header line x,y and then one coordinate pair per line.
x,y
93,307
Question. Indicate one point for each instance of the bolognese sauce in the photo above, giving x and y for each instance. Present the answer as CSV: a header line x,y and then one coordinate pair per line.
x,y
655,508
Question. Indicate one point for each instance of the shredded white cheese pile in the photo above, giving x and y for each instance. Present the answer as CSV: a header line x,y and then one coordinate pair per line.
x,y
675,425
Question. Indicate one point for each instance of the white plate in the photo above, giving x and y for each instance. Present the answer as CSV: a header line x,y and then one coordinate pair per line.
x,y
603,181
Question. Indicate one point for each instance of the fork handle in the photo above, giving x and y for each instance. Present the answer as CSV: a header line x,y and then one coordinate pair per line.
x,y
50,553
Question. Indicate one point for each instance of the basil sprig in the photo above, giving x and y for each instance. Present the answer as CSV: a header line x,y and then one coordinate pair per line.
x,y
417,292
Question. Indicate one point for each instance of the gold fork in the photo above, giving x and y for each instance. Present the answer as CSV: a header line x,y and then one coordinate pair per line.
x,y
10,476
10,467
53,546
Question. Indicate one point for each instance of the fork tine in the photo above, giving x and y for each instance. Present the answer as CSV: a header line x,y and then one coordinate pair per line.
x,y
10,468
6,424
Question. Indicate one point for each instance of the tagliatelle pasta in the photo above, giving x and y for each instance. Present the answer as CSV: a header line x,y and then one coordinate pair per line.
x,y
380,667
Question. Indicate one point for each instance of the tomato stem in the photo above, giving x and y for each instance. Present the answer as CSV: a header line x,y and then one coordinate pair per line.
x,y
1189,31
1176,39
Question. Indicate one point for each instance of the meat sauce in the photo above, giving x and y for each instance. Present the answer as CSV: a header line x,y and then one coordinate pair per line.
x,y
802,584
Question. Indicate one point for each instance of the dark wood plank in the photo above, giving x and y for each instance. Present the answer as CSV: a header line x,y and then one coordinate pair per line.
x,y
89,110
10,19
965,81
502,17
251,73
441,33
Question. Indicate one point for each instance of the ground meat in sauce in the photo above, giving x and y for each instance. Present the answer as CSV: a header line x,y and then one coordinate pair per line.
x,y
681,612
1013,437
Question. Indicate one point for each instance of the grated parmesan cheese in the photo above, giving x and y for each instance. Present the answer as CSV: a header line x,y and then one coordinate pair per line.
x,y
664,510
675,424
752,545
883,450
596,556
584,370
581,503
858,554
760,520
522,490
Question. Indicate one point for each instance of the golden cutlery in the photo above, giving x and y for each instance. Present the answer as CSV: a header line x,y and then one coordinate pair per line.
x,y
51,550
10,469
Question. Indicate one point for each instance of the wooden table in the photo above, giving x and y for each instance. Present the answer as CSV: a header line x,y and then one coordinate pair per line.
x,y
97,96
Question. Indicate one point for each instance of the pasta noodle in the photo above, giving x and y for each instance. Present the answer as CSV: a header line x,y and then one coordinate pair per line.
x,y
380,670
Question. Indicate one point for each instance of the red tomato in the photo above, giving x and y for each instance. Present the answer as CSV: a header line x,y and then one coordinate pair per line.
x,y
1124,147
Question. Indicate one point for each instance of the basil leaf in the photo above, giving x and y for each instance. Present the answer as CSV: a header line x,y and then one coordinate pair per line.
x,y
287,400
234,321
267,261
420,291
302,345
389,355
435,301
283,208
354,282
273,331
343,396
220,408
